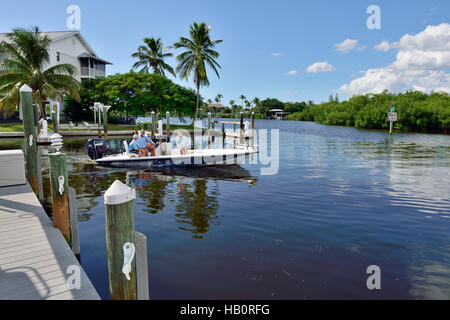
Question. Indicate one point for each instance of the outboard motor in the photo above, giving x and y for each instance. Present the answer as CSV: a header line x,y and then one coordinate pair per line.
x,y
97,148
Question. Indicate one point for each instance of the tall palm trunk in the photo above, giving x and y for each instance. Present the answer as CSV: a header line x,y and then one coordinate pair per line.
x,y
198,98
43,110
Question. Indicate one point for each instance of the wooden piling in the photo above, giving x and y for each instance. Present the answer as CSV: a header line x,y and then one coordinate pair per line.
x,y
241,132
119,224
105,121
39,176
154,120
214,131
59,193
30,134
168,125
74,223
209,120
141,267
223,135
252,137
99,120
253,121
54,118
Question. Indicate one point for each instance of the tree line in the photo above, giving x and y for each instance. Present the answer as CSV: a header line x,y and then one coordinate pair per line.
x,y
417,111
132,94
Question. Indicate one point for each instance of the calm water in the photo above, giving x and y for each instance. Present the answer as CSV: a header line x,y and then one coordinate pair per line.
x,y
343,199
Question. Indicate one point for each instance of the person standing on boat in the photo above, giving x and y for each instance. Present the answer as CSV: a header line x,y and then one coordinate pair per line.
x,y
181,142
142,145
133,144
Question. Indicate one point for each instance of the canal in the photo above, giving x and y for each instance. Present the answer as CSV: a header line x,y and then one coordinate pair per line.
x,y
342,200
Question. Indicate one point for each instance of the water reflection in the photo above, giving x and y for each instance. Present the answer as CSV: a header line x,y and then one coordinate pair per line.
x,y
196,209
191,192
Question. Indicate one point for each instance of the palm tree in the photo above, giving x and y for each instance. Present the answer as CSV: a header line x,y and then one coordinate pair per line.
x,y
28,56
218,98
199,53
256,102
242,97
232,103
247,104
152,55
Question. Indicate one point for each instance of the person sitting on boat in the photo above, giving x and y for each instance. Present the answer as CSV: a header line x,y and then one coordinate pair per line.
x,y
133,144
142,145
151,145
181,142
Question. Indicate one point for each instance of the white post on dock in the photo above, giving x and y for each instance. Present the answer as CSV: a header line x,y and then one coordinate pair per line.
x,y
74,223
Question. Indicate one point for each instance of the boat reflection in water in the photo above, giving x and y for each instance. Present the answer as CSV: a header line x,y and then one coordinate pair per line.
x,y
190,192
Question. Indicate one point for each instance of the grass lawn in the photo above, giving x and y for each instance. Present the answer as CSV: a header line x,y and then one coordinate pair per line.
x,y
15,127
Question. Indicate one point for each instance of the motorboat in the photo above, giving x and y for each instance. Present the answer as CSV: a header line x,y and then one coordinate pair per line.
x,y
165,155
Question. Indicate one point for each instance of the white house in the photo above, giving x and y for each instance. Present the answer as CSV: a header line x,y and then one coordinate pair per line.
x,y
71,47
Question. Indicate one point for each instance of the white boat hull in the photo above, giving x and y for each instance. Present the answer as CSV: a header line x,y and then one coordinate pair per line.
x,y
203,157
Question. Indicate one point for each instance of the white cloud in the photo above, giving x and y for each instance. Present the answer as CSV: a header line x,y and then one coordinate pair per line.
x,y
346,45
291,73
320,67
277,54
383,46
420,65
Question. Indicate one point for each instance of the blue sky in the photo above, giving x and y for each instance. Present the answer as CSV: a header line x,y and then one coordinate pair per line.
x,y
301,32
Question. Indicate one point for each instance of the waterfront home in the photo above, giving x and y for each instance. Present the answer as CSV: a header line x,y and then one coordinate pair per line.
x,y
278,114
70,47
216,108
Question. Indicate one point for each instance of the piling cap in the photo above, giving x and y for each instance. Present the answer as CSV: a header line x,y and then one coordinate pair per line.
x,y
119,193
25,88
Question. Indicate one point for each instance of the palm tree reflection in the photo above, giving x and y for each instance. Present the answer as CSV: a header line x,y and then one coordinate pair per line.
x,y
193,195
196,209
151,188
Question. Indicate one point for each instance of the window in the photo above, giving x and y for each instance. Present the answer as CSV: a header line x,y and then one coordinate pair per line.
x,y
58,56
84,62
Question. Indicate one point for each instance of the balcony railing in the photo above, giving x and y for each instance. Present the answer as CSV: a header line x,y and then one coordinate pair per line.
x,y
92,73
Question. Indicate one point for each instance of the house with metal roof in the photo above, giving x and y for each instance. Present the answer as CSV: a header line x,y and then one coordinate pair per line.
x,y
216,107
278,114
71,47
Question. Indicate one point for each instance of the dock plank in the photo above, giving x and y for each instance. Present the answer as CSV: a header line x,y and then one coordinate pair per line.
x,y
34,256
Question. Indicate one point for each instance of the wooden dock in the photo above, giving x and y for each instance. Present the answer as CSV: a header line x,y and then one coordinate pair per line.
x,y
34,256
